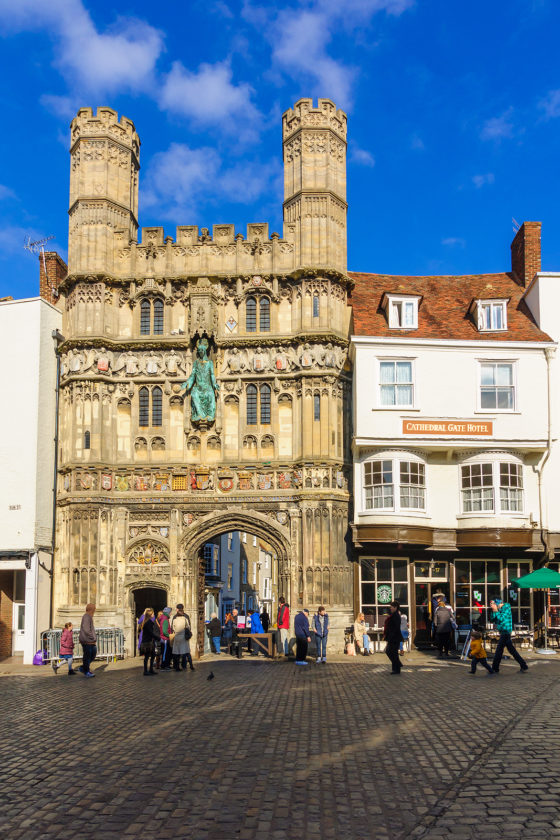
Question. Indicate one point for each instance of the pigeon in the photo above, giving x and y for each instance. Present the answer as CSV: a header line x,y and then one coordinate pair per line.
x,y
210,675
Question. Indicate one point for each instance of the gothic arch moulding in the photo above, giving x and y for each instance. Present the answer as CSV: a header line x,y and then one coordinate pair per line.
x,y
234,519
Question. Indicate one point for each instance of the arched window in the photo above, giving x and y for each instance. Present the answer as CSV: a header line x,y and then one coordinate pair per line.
x,y
144,407
156,406
264,315
265,403
251,405
315,306
87,440
316,407
145,316
158,317
251,315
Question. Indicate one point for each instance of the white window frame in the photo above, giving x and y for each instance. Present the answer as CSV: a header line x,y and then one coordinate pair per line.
x,y
396,459
397,304
493,307
484,410
396,360
495,459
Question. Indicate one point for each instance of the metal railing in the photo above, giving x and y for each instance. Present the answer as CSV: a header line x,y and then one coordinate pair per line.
x,y
110,644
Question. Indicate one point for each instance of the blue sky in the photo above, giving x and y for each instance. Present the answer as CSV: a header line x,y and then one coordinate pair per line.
x,y
454,118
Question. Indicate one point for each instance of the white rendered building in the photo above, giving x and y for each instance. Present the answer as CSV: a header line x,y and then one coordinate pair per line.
x,y
453,428
27,452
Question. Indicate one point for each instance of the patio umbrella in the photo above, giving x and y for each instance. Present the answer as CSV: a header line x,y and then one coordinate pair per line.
x,y
541,579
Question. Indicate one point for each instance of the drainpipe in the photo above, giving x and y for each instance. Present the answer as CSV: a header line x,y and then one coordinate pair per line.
x,y
58,338
549,354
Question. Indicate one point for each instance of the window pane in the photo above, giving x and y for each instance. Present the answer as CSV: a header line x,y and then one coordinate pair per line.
x,y
488,398
409,314
400,593
144,407
145,317
400,569
504,375
316,407
264,315
315,306
384,569
368,593
387,372
388,395
487,375
251,405
158,317
505,397
498,323
404,371
368,570
265,404
156,407
251,315
404,394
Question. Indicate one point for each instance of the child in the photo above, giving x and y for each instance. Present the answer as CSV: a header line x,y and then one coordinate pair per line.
x,y
478,653
66,649
404,631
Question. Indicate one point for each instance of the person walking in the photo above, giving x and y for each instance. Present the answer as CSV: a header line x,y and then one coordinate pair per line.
x,y
478,654
321,628
283,624
88,640
393,637
165,629
228,631
301,628
66,649
150,633
265,620
215,629
501,617
443,626
361,638
181,651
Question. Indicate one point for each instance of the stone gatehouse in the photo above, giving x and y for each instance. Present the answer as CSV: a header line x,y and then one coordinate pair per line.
x,y
144,479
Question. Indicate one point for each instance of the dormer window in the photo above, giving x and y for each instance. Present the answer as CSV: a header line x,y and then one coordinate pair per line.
x,y
492,315
402,312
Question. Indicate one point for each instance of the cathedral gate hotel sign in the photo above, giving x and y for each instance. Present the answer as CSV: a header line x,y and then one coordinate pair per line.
x,y
448,427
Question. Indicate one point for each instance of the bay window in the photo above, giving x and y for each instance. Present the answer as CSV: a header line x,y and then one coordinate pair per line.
x,y
393,484
493,487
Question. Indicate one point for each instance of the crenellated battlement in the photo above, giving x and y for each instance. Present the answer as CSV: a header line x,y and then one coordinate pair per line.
x,y
105,122
304,115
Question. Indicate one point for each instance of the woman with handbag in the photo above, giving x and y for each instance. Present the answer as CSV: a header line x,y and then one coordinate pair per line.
x,y
181,651
150,635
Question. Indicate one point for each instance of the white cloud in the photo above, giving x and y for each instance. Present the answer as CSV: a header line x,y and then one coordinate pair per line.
x,y
6,192
13,238
482,180
498,128
362,156
209,96
94,62
180,180
550,104
301,35
60,106
454,242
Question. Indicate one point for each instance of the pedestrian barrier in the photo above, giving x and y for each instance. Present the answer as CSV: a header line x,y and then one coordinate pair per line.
x,y
110,644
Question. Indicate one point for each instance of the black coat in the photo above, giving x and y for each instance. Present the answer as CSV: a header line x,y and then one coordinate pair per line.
x,y
215,628
265,620
393,629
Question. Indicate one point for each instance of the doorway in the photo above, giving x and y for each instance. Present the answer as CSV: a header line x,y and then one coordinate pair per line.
x,y
426,594
147,596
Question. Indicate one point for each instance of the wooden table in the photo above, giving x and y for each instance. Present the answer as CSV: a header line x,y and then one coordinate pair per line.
x,y
256,637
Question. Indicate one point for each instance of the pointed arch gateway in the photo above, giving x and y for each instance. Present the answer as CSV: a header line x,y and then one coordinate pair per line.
x,y
204,529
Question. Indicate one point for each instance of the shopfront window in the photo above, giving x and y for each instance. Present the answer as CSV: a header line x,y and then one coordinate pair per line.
x,y
553,596
383,580
477,582
518,599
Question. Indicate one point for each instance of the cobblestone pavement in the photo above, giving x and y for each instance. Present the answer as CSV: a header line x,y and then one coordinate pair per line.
x,y
341,751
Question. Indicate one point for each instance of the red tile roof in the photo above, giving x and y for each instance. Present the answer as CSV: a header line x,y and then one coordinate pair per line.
x,y
444,309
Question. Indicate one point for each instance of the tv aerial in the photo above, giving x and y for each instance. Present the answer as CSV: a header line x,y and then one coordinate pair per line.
x,y
38,247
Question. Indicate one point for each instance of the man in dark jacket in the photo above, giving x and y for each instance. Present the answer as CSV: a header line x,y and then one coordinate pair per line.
x,y
301,629
443,627
88,640
321,628
393,637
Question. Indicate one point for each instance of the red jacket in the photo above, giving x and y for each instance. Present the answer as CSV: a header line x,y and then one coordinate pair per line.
x,y
283,619
66,642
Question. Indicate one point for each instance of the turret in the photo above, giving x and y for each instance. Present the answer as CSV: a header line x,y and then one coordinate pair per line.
x,y
105,153
314,141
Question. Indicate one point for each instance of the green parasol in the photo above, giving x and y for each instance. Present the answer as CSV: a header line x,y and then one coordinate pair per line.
x,y
541,579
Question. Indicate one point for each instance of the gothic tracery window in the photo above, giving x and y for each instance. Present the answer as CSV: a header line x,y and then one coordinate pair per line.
x,y
151,317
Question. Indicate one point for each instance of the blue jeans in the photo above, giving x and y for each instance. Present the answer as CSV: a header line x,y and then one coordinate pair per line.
x,y
68,658
405,637
90,652
216,640
366,641
321,645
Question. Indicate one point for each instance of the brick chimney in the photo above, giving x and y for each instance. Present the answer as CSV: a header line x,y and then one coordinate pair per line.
x,y
526,252
56,272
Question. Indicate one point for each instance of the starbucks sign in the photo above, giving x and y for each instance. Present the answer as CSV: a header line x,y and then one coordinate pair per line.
x,y
384,594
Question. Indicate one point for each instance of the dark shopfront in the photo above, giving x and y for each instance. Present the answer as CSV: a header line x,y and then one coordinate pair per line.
x,y
469,581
